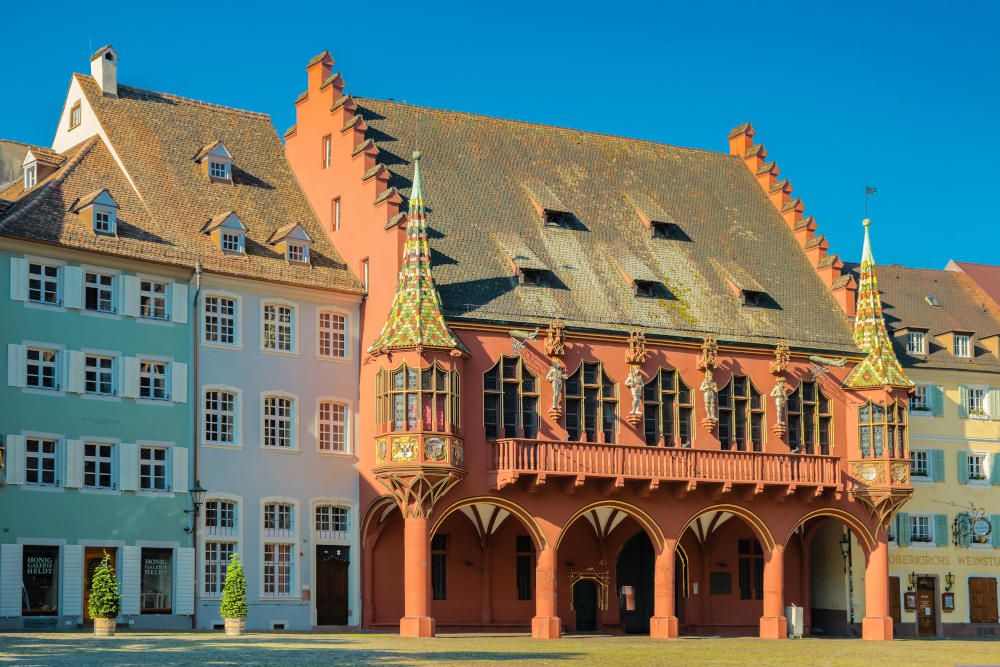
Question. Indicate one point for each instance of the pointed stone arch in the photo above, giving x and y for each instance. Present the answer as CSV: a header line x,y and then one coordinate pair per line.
x,y
613,507
856,525
721,513
488,512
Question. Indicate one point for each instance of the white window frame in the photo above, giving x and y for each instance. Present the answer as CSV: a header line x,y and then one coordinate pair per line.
x,y
167,466
75,116
292,421
983,459
289,539
56,457
984,408
336,214
234,538
236,441
918,337
112,372
345,425
925,456
97,459
915,521
110,219
111,289
329,535
60,268
149,296
55,365
321,331
219,169
327,151
297,253
30,175
152,387
293,326
961,345
921,393
231,242
236,318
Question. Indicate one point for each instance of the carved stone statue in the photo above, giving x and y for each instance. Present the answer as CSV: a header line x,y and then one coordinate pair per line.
x,y
634,383
556,377
780,396
708,390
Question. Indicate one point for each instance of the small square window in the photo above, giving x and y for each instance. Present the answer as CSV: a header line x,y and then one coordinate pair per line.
x,y
646,289
754,298
918,399
918,463
915,343
532,277
977,467
231,242
104,221
555,218
99,292
920,529
962,345
664,230
218,170
43,284
297,253
975,402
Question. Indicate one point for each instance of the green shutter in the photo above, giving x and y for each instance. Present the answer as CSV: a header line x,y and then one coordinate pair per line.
x,y
937,465
963,467
903,534
995,530
993,404
937,399
963,401
995,468
941,530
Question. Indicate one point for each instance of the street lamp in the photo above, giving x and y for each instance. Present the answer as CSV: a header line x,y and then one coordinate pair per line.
x,y
845,545
949,580
912,580
197,500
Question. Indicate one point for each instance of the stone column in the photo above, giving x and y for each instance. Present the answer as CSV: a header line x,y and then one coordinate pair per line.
x,y
417,621
877,624
486,587
663,624
545,624
773,624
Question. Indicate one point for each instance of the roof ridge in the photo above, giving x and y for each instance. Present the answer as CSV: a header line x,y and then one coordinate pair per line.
x,y
188,100
604,135
58,176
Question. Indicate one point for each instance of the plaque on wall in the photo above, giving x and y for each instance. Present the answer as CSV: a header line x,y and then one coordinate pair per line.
x,y
948,601
910,601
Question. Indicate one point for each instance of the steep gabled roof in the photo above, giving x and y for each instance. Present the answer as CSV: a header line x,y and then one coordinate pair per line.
x,y
156,136
491,175
986,277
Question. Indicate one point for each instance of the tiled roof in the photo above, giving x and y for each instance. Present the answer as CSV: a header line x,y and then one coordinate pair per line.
x,y
483,173
161,219
985,276
960,308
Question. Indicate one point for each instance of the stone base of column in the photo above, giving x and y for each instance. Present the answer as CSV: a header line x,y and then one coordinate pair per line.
x,y
773,627
876,628
417,626
663,627
545,627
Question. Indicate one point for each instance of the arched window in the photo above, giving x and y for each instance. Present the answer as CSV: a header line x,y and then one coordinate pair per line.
x,y
510,400
882,427
591,403
667,409
809,419
412,399
741,416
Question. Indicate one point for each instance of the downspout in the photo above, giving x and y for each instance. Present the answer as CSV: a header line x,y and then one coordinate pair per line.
x,y
194,429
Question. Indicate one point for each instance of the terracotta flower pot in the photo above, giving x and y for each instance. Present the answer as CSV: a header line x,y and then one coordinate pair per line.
x,y
104,627
236,626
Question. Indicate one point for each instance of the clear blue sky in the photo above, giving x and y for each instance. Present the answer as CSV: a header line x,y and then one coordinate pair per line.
x,y
902,96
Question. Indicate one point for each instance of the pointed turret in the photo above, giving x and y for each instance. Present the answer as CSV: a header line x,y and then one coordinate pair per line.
x,y
415,319
880,368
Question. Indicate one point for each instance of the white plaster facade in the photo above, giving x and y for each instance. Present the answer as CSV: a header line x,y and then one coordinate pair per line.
x,y
301,476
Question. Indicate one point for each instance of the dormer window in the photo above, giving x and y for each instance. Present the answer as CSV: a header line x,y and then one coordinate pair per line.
x,y
753,298
30,176
228,231
916,342
216,161
664,230
555,218
100,211
531,277
297,252
962,345
293,242
646,289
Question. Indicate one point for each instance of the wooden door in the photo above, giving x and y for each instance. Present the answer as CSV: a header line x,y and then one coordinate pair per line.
x,y
894,609
92,557
926,607
982,600
332,567
585,605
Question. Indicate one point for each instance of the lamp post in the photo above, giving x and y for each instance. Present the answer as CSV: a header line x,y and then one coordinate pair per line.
x,y
197,500
845,551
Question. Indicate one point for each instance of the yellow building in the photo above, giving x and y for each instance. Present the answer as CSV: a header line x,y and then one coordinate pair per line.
x,y
944,558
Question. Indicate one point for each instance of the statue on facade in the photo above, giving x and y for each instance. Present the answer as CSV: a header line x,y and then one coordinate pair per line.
x,y
556,377
635,384
709,392
780,396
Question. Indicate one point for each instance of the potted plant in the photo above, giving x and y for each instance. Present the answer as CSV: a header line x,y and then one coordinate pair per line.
x,y
104,598
234,598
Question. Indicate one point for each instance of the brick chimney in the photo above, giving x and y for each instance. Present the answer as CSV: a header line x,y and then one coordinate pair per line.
x,y
104,69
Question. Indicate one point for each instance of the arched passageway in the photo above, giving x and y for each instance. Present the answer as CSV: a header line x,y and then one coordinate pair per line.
x,y
635,583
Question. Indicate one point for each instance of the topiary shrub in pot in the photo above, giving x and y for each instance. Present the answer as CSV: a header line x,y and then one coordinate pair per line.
x,y
234,598
105,599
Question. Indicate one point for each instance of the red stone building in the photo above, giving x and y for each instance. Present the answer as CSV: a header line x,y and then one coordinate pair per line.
x,y
609,384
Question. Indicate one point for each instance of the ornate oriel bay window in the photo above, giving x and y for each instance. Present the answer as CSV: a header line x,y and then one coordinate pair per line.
x,y
591,403
667,410
810,419
510,400
418,399
741,416
882,430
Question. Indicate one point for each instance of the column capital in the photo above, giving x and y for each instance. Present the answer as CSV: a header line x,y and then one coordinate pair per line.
x,y
417,489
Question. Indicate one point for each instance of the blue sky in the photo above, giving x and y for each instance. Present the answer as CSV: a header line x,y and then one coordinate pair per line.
x,y
843,94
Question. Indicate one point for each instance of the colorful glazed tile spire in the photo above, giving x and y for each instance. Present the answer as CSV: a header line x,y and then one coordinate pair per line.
x,y
415,319
880,368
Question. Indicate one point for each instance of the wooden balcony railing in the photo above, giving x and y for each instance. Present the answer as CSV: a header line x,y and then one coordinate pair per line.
x,y
514,458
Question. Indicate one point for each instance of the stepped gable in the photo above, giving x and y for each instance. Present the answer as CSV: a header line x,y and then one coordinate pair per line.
x,y
164,198
494,176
